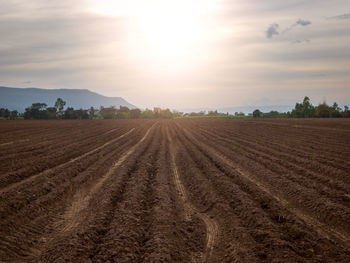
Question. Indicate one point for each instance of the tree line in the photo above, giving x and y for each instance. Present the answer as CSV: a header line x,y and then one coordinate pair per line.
x,y
305,109
6,114
40,111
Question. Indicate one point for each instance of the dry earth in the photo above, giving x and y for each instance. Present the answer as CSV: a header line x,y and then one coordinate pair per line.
x,y
183,190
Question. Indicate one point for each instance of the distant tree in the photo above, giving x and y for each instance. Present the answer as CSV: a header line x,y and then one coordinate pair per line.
x,y
40,111
36,111
239,114
166,114
335,111
213,113
346,112
123,112
309,109
124,109
196,114
147,114
304,109
275,114
108,113
323,110
13,115
135,113
156,112
82,114
122,115
72,114
39,106
257,114
92,112
59,105
177,114
69,114
5,113
51,113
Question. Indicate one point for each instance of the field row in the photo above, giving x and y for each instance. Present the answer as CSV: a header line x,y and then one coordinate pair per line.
x,y
175,191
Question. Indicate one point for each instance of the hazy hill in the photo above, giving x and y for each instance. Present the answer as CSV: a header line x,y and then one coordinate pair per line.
x,y
245,109
263,108
20,98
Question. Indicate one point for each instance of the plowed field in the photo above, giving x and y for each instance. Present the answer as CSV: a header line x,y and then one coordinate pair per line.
x,y
183,190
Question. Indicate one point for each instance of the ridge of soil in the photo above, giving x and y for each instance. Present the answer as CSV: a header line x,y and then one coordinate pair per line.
x,y
183,190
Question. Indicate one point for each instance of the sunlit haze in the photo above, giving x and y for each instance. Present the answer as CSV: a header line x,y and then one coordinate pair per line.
x,y
180,54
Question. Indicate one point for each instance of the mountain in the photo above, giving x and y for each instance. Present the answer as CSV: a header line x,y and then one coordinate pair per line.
x,y
21,98
245,109
263,108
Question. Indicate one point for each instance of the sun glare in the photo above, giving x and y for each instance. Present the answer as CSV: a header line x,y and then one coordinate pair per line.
x,y
170,28
162,32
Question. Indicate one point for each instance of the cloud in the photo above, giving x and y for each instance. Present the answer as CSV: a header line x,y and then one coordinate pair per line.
x,y
64,44
299,22
344,16
303,22
301,41
272,30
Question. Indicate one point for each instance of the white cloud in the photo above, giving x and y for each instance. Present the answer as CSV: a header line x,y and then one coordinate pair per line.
x,y
272,30
344,16
303,22
300,22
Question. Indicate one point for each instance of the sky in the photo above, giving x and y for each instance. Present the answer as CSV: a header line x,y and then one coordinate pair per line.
x,y
180,54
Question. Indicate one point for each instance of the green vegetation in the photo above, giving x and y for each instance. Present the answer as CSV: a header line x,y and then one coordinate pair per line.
x,y
59,106
126,113
257,114
40,111
305,109
212,114
6,114
271,114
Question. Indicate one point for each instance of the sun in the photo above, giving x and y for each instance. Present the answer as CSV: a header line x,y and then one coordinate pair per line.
x,y
171,27
162,32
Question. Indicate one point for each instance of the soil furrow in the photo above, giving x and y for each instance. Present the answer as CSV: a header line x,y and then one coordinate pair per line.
x,y
212,228
183,190
50,170
93,207
82,199
45,207
324,173
321,228
290,188
325,186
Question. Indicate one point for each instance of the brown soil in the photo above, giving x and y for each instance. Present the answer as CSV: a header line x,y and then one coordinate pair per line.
x,y
175,191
